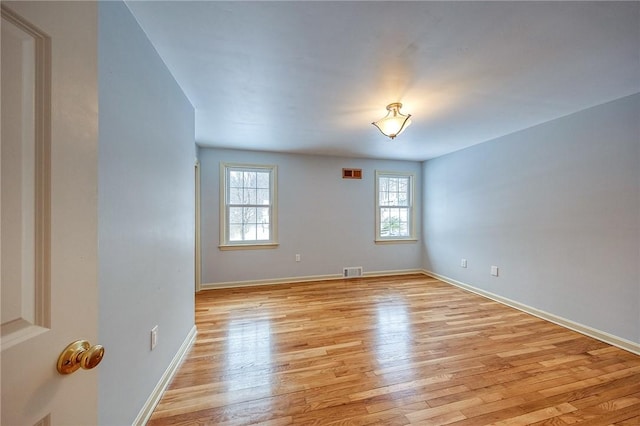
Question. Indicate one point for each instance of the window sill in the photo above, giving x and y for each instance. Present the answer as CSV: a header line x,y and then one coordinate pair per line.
x,y
257,246
397,241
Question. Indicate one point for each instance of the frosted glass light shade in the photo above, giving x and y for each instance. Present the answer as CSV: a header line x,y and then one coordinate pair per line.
x,y
394,122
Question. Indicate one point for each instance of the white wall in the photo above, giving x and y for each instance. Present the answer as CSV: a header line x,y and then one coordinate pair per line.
x,y
328,220
146,215
556,207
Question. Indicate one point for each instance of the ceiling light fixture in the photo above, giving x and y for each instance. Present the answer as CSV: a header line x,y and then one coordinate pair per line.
x,y
394,122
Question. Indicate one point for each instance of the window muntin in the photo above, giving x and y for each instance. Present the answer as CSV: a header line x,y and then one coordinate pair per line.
x,y
394,206
249,205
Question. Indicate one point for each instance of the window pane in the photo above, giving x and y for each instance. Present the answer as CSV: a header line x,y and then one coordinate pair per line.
x,y
235,232
242,215
262,215
249,232
262,196
263,231
249,215
384,199
250,196
235,195
263,180
249,179
404,229
235,179
385,222
235,215
383,184
395,222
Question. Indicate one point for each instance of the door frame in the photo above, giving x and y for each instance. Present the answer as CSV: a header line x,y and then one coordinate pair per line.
x,y
198,256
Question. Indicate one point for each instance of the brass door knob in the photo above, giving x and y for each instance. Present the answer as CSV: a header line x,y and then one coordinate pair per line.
x,y
79,354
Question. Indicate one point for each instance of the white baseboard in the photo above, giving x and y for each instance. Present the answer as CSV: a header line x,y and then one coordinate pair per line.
x,y
390,273
172,369
251,283
291,280
580,328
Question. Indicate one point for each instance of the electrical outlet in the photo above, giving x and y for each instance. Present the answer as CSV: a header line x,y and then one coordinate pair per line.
x,y
297,258
154,337
494,270
463,263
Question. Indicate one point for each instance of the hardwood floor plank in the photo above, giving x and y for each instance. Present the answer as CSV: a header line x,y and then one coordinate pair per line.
x,y
391,351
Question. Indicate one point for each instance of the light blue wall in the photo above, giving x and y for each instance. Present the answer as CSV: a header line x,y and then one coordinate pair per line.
x,y
556,207
328,220
146,215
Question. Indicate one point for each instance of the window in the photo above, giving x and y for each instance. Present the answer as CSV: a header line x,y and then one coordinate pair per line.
x,y
394,206
248,206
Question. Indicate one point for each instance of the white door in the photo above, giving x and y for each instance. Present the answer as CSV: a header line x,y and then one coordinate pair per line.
x,y
48,209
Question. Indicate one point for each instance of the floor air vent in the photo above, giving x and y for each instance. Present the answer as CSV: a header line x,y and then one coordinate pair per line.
x,y
354,271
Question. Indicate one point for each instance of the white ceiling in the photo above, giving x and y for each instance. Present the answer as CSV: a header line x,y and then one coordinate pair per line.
x,y
310,77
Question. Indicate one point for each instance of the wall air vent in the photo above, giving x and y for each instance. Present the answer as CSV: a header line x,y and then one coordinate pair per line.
x,y
352,272
351,173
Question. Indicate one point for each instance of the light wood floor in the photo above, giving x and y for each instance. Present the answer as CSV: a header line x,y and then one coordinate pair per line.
x,y
393,351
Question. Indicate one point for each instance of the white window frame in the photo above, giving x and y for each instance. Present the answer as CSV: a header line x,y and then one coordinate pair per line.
x,y
379,239
225,243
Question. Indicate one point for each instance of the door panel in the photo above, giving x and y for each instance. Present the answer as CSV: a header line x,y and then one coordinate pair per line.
x,y
24,202
48,209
